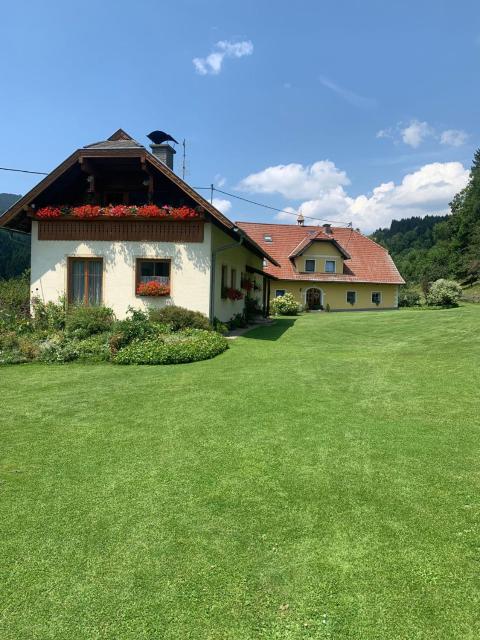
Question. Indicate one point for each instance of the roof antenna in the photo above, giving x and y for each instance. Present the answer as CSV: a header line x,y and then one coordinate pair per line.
x,y
184,161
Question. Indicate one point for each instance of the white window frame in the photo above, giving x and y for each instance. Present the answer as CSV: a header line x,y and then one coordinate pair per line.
x,y
379,297
314,265
334,265
346,297
277,291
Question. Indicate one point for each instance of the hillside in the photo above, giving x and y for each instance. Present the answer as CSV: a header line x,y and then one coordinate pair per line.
x,y
14,248
425,249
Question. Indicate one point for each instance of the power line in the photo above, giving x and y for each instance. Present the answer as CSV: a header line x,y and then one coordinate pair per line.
x,y
38,173
267,206
212,188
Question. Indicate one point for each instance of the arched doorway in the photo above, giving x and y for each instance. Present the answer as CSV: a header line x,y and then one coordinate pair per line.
x,y
313,298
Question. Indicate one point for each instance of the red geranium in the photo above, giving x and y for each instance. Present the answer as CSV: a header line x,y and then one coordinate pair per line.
x,y
48,212
153,288
151,211
233,294
86,211
117,211
182,213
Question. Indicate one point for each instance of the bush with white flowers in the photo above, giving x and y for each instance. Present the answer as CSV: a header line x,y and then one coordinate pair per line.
x,y
444,293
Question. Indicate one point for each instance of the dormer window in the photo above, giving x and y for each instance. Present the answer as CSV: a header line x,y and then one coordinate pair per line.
x,y
310,266
267,238
329,266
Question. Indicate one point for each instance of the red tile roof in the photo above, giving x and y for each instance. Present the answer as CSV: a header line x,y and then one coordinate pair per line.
x,y
368,261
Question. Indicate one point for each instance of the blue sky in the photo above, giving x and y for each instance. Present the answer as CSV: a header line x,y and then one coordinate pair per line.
x,y
346,110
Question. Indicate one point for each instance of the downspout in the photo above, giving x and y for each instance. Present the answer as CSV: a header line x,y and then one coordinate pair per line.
x,y
231,245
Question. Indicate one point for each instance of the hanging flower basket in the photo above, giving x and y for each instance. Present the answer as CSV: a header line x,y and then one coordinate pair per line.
x,y
153,289
88,211
247,285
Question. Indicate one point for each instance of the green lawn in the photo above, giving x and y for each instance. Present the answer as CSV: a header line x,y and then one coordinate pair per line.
x,y
318,480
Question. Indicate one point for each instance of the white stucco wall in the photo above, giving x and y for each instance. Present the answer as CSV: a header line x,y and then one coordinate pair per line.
x,y
190,270
237,258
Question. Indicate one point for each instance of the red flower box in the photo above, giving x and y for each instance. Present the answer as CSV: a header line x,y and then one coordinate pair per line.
x,y
48,212
88,211
153,288
233,294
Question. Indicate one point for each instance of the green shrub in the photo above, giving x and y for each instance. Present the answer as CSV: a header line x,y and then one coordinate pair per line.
x,y
238,321
136,327
8,340
15,303
49,317
284,305
10,348
95,348
444,293
184,346
12,357
83,321
29,347
58,350
408,297
220,327
179,318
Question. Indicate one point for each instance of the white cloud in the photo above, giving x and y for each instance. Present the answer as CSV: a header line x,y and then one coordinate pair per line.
x,y
453,137
416,132
296,181
427,190
385,133
212,64
222,204
347,95
219,180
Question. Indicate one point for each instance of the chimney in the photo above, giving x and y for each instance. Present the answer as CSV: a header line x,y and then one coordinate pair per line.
x,y
164,153
300,220
327,227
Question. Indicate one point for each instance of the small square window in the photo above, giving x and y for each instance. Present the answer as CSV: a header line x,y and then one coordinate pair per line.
x,y
351,297
309,266
329,266
279,293
376,297
267,238
153,270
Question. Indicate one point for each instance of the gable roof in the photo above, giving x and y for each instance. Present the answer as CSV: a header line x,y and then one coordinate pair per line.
x,y
121,145
319,236
367,261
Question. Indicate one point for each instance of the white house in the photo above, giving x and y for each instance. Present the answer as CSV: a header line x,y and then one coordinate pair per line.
x,y
114,225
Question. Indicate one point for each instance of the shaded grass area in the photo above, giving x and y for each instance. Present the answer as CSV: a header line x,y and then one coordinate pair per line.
x,y
318,480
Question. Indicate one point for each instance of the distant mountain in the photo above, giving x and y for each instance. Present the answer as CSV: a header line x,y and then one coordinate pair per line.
x,y
14,247
6,201
425,249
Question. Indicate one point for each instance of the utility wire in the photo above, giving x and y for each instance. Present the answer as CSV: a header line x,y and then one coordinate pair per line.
x,y
38,173
267,206
212,189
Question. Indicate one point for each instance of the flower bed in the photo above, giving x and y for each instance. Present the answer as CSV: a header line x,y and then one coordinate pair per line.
x,y
189,345
88,211
153,288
